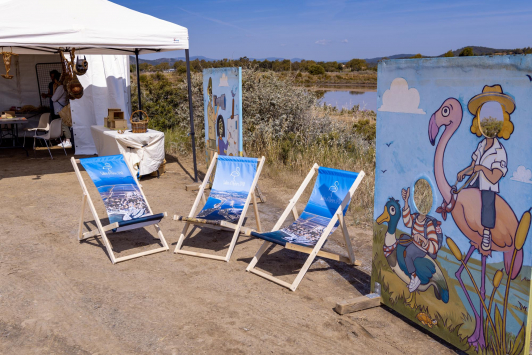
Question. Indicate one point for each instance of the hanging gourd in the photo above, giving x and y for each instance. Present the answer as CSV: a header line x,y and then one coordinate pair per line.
x,y
6,56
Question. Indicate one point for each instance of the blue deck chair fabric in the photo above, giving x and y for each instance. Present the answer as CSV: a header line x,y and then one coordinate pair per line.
x,y
120,193
329,191
231,187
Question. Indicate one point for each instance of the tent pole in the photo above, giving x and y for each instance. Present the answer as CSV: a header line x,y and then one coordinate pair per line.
x,y
190,108
138,81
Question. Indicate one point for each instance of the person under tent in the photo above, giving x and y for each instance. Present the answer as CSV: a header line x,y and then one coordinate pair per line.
x,y
59,100
54,76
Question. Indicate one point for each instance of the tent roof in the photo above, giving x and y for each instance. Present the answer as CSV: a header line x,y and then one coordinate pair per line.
x,y
90,26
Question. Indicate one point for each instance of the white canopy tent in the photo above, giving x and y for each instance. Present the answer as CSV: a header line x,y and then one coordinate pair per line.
x,y
92,26
106,85
95,27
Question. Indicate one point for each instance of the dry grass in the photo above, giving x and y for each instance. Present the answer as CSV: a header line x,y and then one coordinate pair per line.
x,y
291,172
423,196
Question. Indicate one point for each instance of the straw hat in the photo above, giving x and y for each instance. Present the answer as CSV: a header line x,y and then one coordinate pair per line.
x,y
491,93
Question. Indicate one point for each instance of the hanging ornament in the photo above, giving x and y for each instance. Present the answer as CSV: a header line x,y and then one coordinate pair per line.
x,y
69,78
81,65
6,56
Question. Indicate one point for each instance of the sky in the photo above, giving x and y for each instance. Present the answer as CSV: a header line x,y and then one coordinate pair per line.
x,y
340,29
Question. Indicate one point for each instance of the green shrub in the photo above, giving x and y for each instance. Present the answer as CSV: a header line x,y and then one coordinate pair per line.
x,y
316,69
366,129
491,126
449,53
467,52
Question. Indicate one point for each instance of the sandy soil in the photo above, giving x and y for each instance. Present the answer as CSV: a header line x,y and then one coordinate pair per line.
x,y
59,296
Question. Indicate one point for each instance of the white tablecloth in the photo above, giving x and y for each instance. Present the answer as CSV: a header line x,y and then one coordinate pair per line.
x,y
146,149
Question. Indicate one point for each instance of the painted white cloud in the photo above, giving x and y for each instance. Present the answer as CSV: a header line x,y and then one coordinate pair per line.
x,y
522,175
223,80
399,98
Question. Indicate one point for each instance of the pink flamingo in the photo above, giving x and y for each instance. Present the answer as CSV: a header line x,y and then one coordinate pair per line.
x,y
465,207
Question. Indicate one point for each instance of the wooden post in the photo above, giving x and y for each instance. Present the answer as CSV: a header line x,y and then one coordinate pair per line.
x,y
358,303
83,204
257,216
345,232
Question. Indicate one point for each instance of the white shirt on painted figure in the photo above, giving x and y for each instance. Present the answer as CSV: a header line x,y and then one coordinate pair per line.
x,y
493,158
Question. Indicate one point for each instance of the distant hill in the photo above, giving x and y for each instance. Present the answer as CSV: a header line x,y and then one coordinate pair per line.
x,y
482,51
479,51
170,61
395,56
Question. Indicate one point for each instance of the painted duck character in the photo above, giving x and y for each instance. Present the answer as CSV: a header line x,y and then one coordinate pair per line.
x,y
428,272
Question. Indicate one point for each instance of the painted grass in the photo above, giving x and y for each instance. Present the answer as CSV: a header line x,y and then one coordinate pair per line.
x,y
454,322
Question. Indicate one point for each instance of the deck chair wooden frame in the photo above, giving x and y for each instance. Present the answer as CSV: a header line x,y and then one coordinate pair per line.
x,y
316,251
100,231
219,225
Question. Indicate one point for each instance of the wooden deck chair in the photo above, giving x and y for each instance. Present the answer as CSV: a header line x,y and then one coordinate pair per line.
x,y
225,209
323,213
126,204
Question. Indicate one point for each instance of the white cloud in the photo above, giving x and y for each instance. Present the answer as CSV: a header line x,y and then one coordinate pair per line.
x,y
399,98
323,42
522,175
223,80
345,40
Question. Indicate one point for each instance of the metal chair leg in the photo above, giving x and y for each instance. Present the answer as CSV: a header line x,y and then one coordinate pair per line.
x,y
48,148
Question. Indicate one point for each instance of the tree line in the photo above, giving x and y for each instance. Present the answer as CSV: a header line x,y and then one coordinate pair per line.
x,y
309,66
285,65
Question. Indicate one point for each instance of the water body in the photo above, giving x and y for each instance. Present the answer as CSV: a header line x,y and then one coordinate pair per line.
x,y
367,100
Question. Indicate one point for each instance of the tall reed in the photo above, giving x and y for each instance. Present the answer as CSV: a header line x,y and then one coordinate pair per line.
x,y
519,241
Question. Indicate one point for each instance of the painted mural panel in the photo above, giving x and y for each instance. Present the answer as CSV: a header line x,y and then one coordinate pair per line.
x,y
222,96
462,270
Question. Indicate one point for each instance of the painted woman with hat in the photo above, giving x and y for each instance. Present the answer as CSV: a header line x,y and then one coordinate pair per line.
x,y
489,161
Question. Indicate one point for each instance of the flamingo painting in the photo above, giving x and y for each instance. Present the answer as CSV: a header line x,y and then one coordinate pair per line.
x,y
235,173
334,188
465,208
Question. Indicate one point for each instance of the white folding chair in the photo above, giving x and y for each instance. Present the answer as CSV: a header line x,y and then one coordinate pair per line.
x,y
225,209
53,133
43,126
323,213
125,202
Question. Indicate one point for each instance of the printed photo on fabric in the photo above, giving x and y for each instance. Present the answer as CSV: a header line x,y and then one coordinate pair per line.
x,y
231,187
119,191
329,191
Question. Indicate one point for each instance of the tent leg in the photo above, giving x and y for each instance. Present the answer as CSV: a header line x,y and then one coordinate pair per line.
x,y
138,80
190,108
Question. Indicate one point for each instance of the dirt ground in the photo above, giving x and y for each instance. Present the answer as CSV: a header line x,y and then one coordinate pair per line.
x,y
59,296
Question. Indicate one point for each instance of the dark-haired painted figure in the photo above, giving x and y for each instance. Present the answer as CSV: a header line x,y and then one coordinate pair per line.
x,y
222,146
